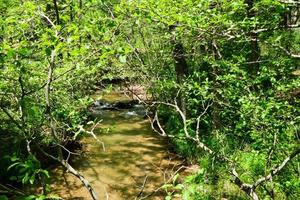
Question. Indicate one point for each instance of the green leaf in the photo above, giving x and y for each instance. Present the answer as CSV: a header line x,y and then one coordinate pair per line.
x,y
13,165
179,187
25,178
30,197
168,198
122,58
175,178
32,179
167,186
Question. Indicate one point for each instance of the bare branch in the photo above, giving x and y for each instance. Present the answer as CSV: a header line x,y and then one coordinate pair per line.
x,y
290,2
69,152
277,169
200,144
91,132
142,188
75,173
49,20
199,117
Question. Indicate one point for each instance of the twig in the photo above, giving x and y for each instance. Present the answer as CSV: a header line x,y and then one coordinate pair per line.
x,y
142,188
91,132
166,182
49,20
199,117
187,135
69,152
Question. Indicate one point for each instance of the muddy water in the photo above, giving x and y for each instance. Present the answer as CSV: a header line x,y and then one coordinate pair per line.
x,y
134,156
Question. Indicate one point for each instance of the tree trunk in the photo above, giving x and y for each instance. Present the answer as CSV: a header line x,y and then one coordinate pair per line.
x,y
181,67
254,55
56,11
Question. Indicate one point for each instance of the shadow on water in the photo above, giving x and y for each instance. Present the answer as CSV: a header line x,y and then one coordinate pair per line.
x,y
132,153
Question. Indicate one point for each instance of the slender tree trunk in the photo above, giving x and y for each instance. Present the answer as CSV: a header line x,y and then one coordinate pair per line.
x,y
216,107
254,54
181,66
56,12
180,62
79,17
71,12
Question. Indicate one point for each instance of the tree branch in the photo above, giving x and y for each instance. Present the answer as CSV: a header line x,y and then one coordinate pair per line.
x,y
277,169
74,172
250,189
290,2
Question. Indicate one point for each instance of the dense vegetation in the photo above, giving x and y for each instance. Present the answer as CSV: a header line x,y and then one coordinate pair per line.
x,y
227,72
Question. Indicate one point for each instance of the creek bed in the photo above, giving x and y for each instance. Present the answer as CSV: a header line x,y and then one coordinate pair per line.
x,y
132,153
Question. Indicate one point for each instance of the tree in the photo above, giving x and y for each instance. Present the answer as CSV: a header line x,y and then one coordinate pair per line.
x,y
240,92
49,64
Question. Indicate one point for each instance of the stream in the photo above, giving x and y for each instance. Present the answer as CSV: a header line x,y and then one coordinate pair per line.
x,y
135,162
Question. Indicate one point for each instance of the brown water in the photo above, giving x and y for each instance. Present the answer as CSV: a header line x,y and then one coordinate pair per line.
x,y
133,154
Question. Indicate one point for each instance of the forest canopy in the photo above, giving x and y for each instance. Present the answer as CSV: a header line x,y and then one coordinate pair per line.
x,y
224,76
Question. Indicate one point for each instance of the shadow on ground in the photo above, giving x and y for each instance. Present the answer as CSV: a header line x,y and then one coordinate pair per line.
x,y
132,153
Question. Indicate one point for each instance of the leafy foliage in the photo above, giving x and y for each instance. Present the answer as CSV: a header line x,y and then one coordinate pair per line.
x,y
233,63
